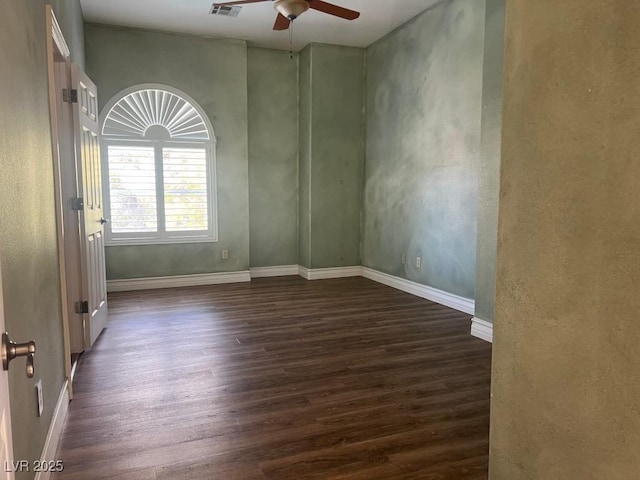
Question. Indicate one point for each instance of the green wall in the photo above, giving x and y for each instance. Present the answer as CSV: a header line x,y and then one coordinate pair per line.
x,y
256,101
423,112
214,73
28,244
332,131
273,157
304,158
566,377
489,172
293,183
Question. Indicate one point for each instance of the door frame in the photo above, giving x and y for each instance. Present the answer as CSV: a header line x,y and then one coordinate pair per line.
x,y
61,131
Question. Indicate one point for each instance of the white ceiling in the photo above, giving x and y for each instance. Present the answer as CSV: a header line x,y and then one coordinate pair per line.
x,y
255,21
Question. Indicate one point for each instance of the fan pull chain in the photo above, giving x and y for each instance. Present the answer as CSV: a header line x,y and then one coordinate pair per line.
x,y
291,39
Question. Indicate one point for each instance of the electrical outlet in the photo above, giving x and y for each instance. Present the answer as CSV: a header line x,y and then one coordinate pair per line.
x,y
418,262
39,395
225,254
404,258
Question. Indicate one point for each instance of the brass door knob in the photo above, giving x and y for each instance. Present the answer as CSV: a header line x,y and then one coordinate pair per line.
x,y
11,350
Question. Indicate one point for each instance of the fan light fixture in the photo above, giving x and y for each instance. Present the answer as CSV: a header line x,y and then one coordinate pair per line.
x,y
291,9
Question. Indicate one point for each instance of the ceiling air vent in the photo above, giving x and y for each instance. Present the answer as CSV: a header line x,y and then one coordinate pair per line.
x,y
225,10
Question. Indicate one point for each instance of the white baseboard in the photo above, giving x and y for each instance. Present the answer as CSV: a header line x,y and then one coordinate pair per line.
x,y
303,272
279,271
482,329
50,450
462,304
456,302
177,281
326,273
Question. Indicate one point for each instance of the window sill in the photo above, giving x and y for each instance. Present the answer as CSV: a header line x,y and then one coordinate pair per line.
x,y
159,241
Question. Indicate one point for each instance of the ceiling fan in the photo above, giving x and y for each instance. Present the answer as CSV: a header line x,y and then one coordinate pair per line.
x,y
289,10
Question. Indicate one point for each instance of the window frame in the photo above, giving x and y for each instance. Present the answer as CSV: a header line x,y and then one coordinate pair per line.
x,y
161,236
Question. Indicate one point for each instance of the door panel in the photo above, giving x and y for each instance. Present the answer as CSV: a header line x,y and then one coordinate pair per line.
x,y
89,174
6,439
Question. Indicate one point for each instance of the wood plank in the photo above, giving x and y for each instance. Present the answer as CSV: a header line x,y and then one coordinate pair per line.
x,y
280,378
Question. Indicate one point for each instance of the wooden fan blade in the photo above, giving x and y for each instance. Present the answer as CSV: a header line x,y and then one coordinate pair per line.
x,y
239,2
282,22
332,9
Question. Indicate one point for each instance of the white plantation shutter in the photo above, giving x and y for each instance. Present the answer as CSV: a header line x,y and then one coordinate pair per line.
x,y
185,189
132,187
160,163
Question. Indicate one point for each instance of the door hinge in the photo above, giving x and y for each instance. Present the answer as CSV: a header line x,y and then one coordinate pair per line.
x,y
82,307
77,203
70,95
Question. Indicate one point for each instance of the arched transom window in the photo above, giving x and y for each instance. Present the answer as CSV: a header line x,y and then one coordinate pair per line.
x,y
159,166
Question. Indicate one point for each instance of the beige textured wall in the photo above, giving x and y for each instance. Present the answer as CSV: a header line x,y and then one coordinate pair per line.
x,y
566,373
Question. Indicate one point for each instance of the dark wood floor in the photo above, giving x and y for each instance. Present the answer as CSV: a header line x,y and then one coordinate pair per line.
x,y
280,379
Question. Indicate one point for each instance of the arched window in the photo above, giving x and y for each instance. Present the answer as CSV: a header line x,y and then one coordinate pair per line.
x,y
159,168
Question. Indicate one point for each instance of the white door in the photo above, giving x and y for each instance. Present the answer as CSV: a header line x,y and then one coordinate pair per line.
x,y
6,440
89,174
